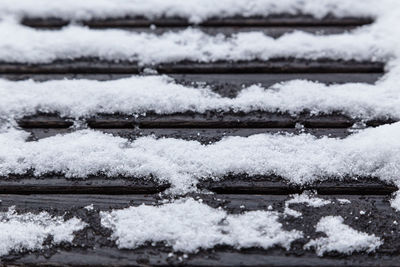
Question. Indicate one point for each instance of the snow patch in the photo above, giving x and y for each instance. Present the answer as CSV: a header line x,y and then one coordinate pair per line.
x,y
306,198
342,238
159,94
188,225
194,10
28,231
299,159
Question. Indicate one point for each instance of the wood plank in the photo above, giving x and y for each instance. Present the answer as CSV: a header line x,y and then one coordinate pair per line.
x,y
91,246
271,20
233,184
227,85
210,119
277,65
203,135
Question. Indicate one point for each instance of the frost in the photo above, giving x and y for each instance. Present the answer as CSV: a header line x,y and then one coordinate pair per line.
x,y
188,225
342,238
307,198
28,231
300,159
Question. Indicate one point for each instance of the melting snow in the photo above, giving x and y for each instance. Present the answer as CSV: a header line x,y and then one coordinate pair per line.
x,y
28,231
188,225
342,238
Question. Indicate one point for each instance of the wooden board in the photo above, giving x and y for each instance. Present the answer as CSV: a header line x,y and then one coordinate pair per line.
x,y
232,184
276,65
93,247
211,119
270,21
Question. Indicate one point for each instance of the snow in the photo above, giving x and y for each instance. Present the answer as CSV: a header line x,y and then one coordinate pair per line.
x,y
342,238
395,202
23,44
306,197
188,225
28,231
160,94
378,41
299,159
194,10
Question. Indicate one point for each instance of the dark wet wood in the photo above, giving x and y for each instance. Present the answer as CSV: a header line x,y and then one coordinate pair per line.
x,y
92,245
269,21
203,135
196,120
91,66
234,184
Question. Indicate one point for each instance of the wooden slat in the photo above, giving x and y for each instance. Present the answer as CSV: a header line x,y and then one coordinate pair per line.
x,y
234,184
278,65
195,120
203,135
92,247
272,20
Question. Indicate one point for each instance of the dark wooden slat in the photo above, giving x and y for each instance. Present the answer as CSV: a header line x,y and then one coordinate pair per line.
x,y
237,184
195,120
227,85
92,247
271,20
275,31
203,135
91,66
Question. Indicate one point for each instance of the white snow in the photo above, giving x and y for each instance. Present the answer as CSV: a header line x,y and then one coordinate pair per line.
x,y
395,202
194,10
307,198
342,238
379,41
188,225
23,44
28,231
299,159
137,95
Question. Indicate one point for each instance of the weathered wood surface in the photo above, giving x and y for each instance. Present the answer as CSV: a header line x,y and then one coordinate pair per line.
x,y
232,184
276,65
269,21
92,246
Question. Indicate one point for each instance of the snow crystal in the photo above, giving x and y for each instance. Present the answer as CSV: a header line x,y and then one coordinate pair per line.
x,y
28,231
342,238
307,198
188,225
194,10
136,95
300,158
